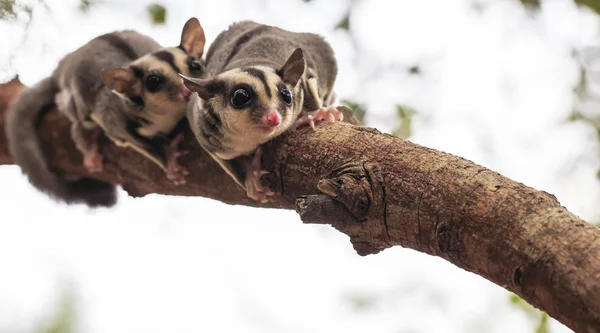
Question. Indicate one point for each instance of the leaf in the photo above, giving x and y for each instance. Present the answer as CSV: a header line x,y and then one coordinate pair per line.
x,y
63,320
362,302
158,13
405,114
84,5
533,5
592,4
358,109
543,325
344,24
7,10
414,70
575,116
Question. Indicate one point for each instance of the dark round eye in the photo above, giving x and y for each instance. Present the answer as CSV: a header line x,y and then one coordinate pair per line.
x,y
195,66
153,83
286,95
240,98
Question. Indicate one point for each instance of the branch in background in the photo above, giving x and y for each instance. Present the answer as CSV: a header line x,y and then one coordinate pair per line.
x,y
383,191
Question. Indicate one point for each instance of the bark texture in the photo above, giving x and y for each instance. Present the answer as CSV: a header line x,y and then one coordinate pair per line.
x,y
383,191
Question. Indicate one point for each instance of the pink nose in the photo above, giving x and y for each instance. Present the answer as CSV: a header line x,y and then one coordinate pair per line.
x,y
272,118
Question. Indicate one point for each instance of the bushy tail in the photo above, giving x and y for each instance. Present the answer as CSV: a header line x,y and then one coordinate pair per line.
x,y
25,146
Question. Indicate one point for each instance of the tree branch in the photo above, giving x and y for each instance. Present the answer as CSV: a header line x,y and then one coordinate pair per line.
x,y
383,191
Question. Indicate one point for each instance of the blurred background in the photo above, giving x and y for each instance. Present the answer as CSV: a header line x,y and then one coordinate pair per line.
x,y
511,85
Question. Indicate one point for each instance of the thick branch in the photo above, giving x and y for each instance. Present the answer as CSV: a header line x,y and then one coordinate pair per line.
x,y
383,191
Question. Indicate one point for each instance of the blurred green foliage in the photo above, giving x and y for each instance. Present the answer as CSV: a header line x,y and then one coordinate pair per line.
x,y
531,4
84,5
580,91
344,23
359,110
9,9
414,70
536,4
158,13
64,318
361,301
405,114
542,319
593,4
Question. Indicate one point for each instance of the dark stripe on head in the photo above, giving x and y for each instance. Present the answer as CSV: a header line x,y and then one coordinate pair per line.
x,y
217,87
259,74
120,44
137,71
167,57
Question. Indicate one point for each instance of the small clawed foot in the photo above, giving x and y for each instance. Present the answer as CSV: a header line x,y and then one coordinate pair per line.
x,y
330,114
254,189
175,171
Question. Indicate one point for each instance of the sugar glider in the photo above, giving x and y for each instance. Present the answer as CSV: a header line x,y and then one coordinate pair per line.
x,y
261,81
122,84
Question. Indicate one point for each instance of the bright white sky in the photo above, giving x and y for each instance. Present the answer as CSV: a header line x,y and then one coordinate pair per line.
x,y
496,89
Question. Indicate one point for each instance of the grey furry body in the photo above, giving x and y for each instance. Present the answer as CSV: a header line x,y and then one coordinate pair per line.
x,y
76,88
248,43
121,84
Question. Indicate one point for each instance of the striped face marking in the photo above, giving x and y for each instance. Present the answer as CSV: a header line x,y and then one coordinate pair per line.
x,y
152,86
244,108
252,104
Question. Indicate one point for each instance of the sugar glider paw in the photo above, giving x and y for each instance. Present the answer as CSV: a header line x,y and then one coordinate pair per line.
x,y
329,114
175,171
254,189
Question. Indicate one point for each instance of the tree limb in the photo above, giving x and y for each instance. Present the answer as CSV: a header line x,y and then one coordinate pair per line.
x,y
383,191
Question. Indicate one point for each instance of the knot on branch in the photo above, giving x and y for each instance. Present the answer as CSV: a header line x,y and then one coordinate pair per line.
x,y
353,202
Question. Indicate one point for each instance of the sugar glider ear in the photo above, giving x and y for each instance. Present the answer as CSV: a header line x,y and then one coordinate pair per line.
x,y
201,86
118,79
192,38
293,68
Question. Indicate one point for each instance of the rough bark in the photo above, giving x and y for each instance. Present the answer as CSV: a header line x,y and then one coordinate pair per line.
x,y
383,191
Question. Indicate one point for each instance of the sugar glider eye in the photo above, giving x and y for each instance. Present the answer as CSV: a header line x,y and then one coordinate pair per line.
x,y
241,97
153,83
195,66
285,93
